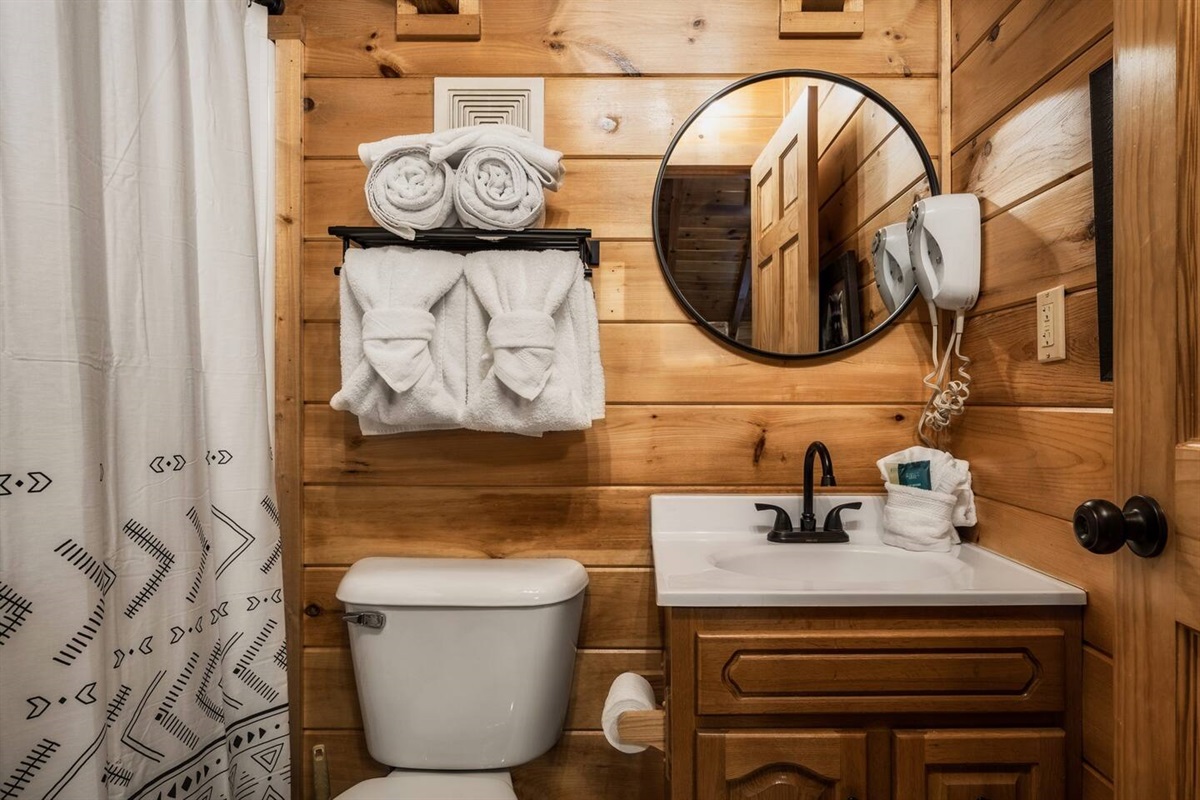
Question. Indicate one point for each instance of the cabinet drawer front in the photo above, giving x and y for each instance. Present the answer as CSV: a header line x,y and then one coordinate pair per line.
x,y
1001,671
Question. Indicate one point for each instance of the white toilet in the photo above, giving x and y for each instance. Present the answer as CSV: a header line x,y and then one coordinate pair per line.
x,y
463,669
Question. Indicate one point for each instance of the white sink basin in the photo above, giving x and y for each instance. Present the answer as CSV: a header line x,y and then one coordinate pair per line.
x,y
845,566
712,550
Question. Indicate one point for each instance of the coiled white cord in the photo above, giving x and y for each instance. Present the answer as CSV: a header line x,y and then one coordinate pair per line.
x,y
945,403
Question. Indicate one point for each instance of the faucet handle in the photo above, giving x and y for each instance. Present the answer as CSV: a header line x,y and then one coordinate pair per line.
x,y
783,523
833,520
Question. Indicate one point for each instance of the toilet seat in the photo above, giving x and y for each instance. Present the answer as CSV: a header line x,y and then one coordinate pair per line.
x,y
413,785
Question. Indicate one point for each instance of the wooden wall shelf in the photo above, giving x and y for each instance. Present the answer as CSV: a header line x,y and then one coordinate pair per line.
x,y
438,20
821,19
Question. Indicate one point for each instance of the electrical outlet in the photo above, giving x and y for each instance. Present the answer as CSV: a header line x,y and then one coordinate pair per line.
x,y
1052,325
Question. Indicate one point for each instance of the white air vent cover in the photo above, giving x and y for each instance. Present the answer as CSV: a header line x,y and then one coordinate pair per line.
x,y
480,101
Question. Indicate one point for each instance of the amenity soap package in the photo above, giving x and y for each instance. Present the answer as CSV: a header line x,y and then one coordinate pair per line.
x,y
929,495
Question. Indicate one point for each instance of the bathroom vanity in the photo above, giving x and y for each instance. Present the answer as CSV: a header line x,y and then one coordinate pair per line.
x,y
805,671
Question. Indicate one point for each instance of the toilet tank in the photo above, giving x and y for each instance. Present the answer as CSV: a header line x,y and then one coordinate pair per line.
x,y
462,664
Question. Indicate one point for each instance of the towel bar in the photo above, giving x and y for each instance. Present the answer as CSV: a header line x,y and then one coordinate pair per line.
x,y
644,727
473,239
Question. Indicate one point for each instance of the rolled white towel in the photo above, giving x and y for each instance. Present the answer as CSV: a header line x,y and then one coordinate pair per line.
x,y
496,189
407,191
545,164
450,145
629,692
532,357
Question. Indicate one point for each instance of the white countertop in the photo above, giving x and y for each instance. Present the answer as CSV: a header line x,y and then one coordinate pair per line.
x,y
712,550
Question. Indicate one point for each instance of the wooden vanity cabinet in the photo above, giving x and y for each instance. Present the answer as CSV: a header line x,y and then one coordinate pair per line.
x,y
874,704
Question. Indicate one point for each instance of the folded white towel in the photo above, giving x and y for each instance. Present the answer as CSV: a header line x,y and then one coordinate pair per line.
x,y
920,519
532,344
497,190
403,340
629,692
947,474
407,191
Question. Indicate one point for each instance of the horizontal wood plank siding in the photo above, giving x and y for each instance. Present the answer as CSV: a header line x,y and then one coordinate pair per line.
x,y
621,38
1039,436
686,413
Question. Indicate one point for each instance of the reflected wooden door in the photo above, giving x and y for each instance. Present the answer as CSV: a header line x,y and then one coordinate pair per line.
x,y
1156,274
783,220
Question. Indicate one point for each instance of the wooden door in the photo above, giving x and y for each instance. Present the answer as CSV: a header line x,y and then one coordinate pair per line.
x,y
1156,279
808,765
990,764
783,233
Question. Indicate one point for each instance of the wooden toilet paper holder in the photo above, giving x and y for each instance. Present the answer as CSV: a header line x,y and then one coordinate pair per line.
x,y
647,728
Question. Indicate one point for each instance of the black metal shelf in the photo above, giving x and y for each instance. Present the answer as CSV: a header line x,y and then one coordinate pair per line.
x,y
470,240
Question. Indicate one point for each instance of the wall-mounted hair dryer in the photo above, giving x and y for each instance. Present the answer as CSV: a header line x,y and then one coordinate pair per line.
x,y
893,268
944,246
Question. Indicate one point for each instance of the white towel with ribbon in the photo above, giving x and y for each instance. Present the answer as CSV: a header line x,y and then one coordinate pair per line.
x,y
532,344
403,340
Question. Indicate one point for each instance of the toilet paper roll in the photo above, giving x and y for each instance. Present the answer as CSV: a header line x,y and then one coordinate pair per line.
x,y
629,692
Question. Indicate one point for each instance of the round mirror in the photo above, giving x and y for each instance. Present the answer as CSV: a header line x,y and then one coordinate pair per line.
x,y
767,206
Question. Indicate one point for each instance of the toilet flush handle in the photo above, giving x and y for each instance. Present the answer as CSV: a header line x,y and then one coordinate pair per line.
x,y
368,619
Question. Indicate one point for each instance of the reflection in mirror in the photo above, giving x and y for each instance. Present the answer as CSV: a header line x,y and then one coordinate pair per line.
x,y
768,205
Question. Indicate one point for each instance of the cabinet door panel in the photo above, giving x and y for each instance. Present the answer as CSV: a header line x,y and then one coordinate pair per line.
x,y
809,765
969,765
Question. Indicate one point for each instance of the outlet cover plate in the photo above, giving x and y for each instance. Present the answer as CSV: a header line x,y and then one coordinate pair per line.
x,y
463,101
1052,325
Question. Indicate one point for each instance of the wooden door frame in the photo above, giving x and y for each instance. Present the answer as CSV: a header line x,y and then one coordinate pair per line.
x,y
1155,189
288,34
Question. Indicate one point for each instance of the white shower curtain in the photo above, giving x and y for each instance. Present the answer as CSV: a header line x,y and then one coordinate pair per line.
x,y
141,611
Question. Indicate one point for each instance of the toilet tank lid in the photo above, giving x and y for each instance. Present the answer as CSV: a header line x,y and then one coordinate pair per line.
x,y
462,582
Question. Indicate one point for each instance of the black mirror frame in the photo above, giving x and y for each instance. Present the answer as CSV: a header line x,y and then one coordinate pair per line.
x,y
872,95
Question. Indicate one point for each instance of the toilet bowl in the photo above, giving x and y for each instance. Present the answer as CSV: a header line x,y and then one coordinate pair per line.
x,y
411,785
463,669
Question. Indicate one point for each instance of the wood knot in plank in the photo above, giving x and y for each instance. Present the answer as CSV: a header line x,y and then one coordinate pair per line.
x,y
759,446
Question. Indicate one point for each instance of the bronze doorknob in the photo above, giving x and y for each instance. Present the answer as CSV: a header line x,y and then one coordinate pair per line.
x,y
1103,528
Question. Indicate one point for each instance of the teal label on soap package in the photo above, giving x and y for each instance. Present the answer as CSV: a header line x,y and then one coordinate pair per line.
x,y
914,474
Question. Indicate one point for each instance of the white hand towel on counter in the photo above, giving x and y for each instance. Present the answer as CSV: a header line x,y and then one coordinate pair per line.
x,y
403,340
925,519
407,190
629,692
532,344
